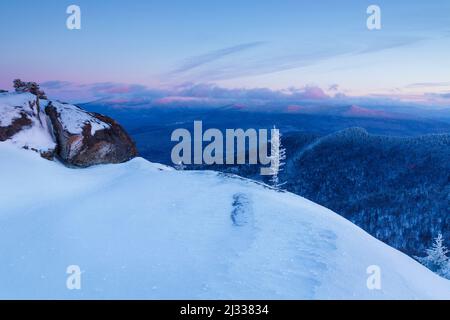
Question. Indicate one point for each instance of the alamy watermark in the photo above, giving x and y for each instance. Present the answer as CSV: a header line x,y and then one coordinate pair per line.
x,y
73,22
235,147
374,19
73,281
374,279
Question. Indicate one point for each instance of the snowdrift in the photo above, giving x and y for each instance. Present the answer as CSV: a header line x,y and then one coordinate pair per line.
x,y
140,230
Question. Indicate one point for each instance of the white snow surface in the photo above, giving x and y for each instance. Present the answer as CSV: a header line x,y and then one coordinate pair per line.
x,y
8,104
140,230
38,135
74,119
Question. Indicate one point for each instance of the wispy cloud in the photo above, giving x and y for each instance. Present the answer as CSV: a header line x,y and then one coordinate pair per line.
x,y
55,84
272,57
387,43
187,92
428,84
78,93
254,65
444,96
309,92
196,61
333,87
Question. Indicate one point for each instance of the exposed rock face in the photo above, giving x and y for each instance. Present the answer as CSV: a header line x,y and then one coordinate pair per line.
x,y
16,126
86,139
23,123
77,137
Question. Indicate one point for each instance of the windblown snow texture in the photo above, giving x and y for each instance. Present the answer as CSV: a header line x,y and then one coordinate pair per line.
x,y
140,230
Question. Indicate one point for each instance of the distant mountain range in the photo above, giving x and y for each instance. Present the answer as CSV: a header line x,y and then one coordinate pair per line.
x,y
365,110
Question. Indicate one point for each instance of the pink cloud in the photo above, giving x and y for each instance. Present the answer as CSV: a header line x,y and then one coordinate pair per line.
x,y
295,108
118,90
175,99
313,93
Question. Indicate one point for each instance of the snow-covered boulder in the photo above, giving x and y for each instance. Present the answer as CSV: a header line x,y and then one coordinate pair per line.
x,y
75,136
24,124
86,138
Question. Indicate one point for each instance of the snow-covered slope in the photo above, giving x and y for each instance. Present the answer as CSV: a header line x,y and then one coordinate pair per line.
x,y
141,230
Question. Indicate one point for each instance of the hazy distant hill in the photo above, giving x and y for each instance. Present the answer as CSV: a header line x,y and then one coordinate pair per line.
x,y
151,127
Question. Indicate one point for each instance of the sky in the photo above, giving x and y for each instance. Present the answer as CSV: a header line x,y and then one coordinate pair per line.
x,y
319,48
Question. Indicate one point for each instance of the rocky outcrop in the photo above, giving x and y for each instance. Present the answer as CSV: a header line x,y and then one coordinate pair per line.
x,y
86,139
16,126
77,137
23,123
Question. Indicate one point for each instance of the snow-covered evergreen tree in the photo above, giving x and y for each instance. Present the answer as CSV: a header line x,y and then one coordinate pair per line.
x,y
446,270
436,258
277,156
31,87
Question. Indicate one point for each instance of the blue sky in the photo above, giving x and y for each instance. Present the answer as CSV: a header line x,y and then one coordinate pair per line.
x,y
232,44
